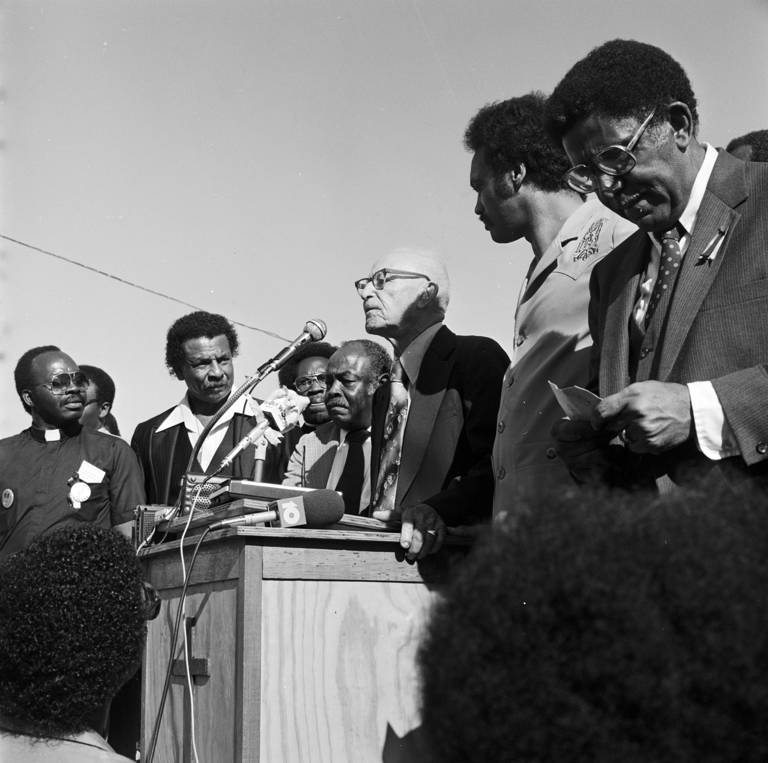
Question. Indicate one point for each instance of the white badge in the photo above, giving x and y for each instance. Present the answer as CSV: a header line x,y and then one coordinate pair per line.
x,y
7,499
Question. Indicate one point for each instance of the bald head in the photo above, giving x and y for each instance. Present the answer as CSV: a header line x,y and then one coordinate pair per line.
x,y
414,294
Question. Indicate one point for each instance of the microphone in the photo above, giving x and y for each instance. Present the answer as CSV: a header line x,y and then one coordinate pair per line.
x,y
315,509
314,331
281,409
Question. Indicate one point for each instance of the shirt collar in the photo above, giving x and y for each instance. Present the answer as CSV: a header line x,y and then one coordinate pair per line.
x,y
691,211
412,356
343,434
182,414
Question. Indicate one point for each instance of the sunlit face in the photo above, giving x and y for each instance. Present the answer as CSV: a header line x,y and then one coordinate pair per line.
x,y
93,411
55,410
654,193
350,393
207,369
315,413
500,208
390,310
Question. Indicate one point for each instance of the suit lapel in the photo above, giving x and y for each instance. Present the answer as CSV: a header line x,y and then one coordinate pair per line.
x,y
715,222
614,370
426,398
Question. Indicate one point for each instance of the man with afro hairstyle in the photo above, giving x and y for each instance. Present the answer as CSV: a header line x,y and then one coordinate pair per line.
x,y
517,173
676,311
752,147
73,607
199,351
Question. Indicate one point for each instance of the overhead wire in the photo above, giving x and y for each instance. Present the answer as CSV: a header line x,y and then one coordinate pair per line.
x,y
132,284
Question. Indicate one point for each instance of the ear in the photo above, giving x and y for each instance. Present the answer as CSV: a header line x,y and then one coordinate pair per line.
x,y
27,398
513,178
104,409
681,120
428,294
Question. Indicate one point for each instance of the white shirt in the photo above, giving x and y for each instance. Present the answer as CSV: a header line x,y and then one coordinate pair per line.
x,y
182,414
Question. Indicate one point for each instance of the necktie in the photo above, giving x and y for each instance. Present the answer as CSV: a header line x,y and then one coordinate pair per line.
x,y
351,480
392,442
669,266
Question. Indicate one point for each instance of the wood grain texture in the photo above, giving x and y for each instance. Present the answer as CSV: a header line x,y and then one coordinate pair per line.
x,y
338,667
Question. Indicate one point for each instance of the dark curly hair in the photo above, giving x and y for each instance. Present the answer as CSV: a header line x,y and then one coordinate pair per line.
x,y
192,326
71,628
620,78
756,140
22,374
511,133
286,375
606,628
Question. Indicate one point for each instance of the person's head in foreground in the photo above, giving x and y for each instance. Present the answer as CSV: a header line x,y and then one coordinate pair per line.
x,y
606,628
752,147
73,607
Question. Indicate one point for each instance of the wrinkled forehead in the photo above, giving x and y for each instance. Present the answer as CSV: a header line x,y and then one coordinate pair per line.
x,y
51,363
411,260
348,359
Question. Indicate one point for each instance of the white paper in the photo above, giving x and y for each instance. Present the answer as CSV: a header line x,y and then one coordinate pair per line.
x,y
577,403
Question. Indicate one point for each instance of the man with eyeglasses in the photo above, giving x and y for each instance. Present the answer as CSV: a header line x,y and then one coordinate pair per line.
x,y
337,454
57,472
434,423
199,351
677,310
517,173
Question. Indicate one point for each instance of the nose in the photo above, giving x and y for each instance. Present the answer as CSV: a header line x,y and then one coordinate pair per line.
x,y
215,371
478,206
333,389
608,183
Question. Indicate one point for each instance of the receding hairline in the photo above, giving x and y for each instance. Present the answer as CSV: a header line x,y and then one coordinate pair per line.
x,y
427,261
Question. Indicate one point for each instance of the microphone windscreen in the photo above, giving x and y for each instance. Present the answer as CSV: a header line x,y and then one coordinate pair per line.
x,y
323,507
316,329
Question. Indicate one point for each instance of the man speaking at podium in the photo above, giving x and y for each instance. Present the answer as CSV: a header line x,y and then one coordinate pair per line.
x,y
199,351
337,454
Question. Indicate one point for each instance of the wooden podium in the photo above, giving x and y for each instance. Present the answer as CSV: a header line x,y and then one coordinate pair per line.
x,y
303,646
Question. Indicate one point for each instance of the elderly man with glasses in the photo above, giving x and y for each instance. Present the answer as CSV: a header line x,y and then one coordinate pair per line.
x,y
57,472
677,310
434,422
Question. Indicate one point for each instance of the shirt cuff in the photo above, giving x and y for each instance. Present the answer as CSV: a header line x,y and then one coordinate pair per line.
x,y
714,436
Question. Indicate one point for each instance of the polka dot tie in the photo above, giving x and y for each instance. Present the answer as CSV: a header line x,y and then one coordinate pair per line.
x,y
392,444
669,265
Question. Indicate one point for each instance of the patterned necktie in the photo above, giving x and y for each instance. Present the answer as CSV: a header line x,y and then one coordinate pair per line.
x,y
669,266
392,443
351,480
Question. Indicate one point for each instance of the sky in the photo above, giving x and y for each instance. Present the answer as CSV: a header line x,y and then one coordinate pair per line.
x,y
253,158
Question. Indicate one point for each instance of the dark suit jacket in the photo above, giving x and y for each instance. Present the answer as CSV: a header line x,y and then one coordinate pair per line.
x,y
163,456
448,439
715,327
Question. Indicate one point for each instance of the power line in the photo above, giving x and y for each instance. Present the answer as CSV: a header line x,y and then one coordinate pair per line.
x,y
132,284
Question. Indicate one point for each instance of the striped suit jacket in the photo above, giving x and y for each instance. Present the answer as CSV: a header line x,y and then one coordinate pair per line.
x,y
311,461
715,326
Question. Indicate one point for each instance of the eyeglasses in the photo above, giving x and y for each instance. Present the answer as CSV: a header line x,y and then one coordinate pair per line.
x,y
60,383
380,278
615,161
305,383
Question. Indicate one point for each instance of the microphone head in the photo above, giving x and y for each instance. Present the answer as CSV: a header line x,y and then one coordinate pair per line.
x,y
323,507
316,329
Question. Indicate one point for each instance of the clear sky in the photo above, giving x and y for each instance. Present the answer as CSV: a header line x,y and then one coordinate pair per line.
x,y
253,157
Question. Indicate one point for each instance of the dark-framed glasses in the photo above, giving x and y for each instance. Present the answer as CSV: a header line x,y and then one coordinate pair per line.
x,y
305,383
380,278
60,383
615,161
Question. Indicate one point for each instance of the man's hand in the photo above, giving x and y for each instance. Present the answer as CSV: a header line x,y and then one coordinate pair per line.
x,y
422,531
583,450
649,416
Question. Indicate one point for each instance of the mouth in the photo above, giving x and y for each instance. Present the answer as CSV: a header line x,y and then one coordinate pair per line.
x,y
634,206
336,404
74,404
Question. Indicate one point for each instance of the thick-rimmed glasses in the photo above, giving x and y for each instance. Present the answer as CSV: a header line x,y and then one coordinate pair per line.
x,y
305,383
60,383
615,161
380,278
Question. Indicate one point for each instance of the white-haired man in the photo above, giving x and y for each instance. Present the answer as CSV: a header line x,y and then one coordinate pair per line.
x,y
433,424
